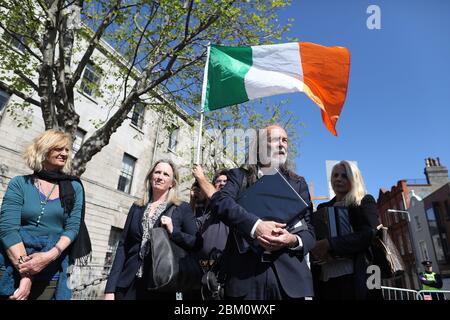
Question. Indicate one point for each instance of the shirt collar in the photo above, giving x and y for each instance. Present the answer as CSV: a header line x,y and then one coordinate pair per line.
x,y
263,171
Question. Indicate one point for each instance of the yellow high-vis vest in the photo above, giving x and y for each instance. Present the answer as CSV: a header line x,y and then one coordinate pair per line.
x,y
429,277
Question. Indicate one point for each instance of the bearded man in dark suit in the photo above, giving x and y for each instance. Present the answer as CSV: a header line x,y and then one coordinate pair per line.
x,y
282,271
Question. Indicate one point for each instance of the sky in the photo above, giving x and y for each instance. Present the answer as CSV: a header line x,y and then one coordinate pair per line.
x,y
397,111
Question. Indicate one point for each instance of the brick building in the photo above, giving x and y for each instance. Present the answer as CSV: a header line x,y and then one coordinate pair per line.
x,y
437,211
393,205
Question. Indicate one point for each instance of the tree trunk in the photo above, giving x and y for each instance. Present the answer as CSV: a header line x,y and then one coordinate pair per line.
x,y
46,91
101,137
68,119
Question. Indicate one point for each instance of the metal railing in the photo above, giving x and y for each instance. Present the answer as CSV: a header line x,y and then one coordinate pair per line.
x,y
433,295
88,282
392,293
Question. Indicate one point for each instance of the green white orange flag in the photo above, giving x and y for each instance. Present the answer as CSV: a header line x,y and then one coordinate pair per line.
x,y
237,74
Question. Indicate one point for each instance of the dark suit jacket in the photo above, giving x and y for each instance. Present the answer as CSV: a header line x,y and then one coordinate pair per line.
x,y
364,220
292,270
127,259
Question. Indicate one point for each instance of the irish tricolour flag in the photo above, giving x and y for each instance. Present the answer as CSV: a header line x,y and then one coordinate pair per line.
x,y
237,74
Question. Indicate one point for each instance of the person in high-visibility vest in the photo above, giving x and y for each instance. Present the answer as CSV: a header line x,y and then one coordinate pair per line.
x,y
431,281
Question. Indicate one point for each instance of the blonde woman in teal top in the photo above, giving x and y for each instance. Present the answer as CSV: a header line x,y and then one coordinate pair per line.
x,y
40,221
21,209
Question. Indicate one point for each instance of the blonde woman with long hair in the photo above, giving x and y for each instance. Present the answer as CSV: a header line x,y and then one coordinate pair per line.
x,y
126,279
340,269
42,227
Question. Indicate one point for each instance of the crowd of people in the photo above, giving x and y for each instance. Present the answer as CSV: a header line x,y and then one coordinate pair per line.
x,y
42,231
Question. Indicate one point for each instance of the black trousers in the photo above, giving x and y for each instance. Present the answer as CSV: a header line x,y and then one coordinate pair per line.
x,y
340,288
265,285
137,291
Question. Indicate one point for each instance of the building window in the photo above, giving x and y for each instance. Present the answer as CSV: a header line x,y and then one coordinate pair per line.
x,y
173,139
113,242
418,225
438,248
445,244
78,141
437,211
400,245
401,203
14,42
4,97
388,219
408,243
424,250
90,80
396,216
430,215
137,118
126,174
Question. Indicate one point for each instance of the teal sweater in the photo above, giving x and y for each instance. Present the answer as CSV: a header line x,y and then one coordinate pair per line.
x,y
21,208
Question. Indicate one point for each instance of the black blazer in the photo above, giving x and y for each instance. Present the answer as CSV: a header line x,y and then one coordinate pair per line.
x,y
364,220
127,259
292,270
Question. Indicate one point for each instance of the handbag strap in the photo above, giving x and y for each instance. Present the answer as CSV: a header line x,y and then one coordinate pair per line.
x,y
169,211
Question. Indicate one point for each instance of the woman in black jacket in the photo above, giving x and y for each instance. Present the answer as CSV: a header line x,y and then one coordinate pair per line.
x,y
125,280
340,263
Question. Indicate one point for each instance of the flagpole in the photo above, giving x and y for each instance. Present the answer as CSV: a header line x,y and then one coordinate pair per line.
x,y
202,108
199,141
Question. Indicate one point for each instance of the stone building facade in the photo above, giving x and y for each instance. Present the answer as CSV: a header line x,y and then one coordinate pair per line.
x,y
114,177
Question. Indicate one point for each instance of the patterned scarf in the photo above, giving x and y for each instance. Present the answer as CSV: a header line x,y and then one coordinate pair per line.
x,y
148,222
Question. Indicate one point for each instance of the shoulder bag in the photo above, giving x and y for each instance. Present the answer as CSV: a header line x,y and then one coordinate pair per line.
x,y
169,267
386,255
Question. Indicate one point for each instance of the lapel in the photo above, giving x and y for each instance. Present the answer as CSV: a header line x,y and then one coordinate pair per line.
x,y
139,215
297,185
293,183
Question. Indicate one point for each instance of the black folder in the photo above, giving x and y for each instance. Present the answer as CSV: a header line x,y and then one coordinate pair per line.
x,y
330,222
271,198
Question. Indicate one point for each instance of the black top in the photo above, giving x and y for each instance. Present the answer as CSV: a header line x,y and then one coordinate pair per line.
x,y
364,220
127,259
214,233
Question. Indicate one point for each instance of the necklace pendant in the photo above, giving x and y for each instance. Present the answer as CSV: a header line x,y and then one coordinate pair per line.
x,y
44,202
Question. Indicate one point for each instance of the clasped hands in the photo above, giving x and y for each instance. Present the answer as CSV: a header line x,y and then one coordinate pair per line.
x,y
36,262
273,236
29,266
